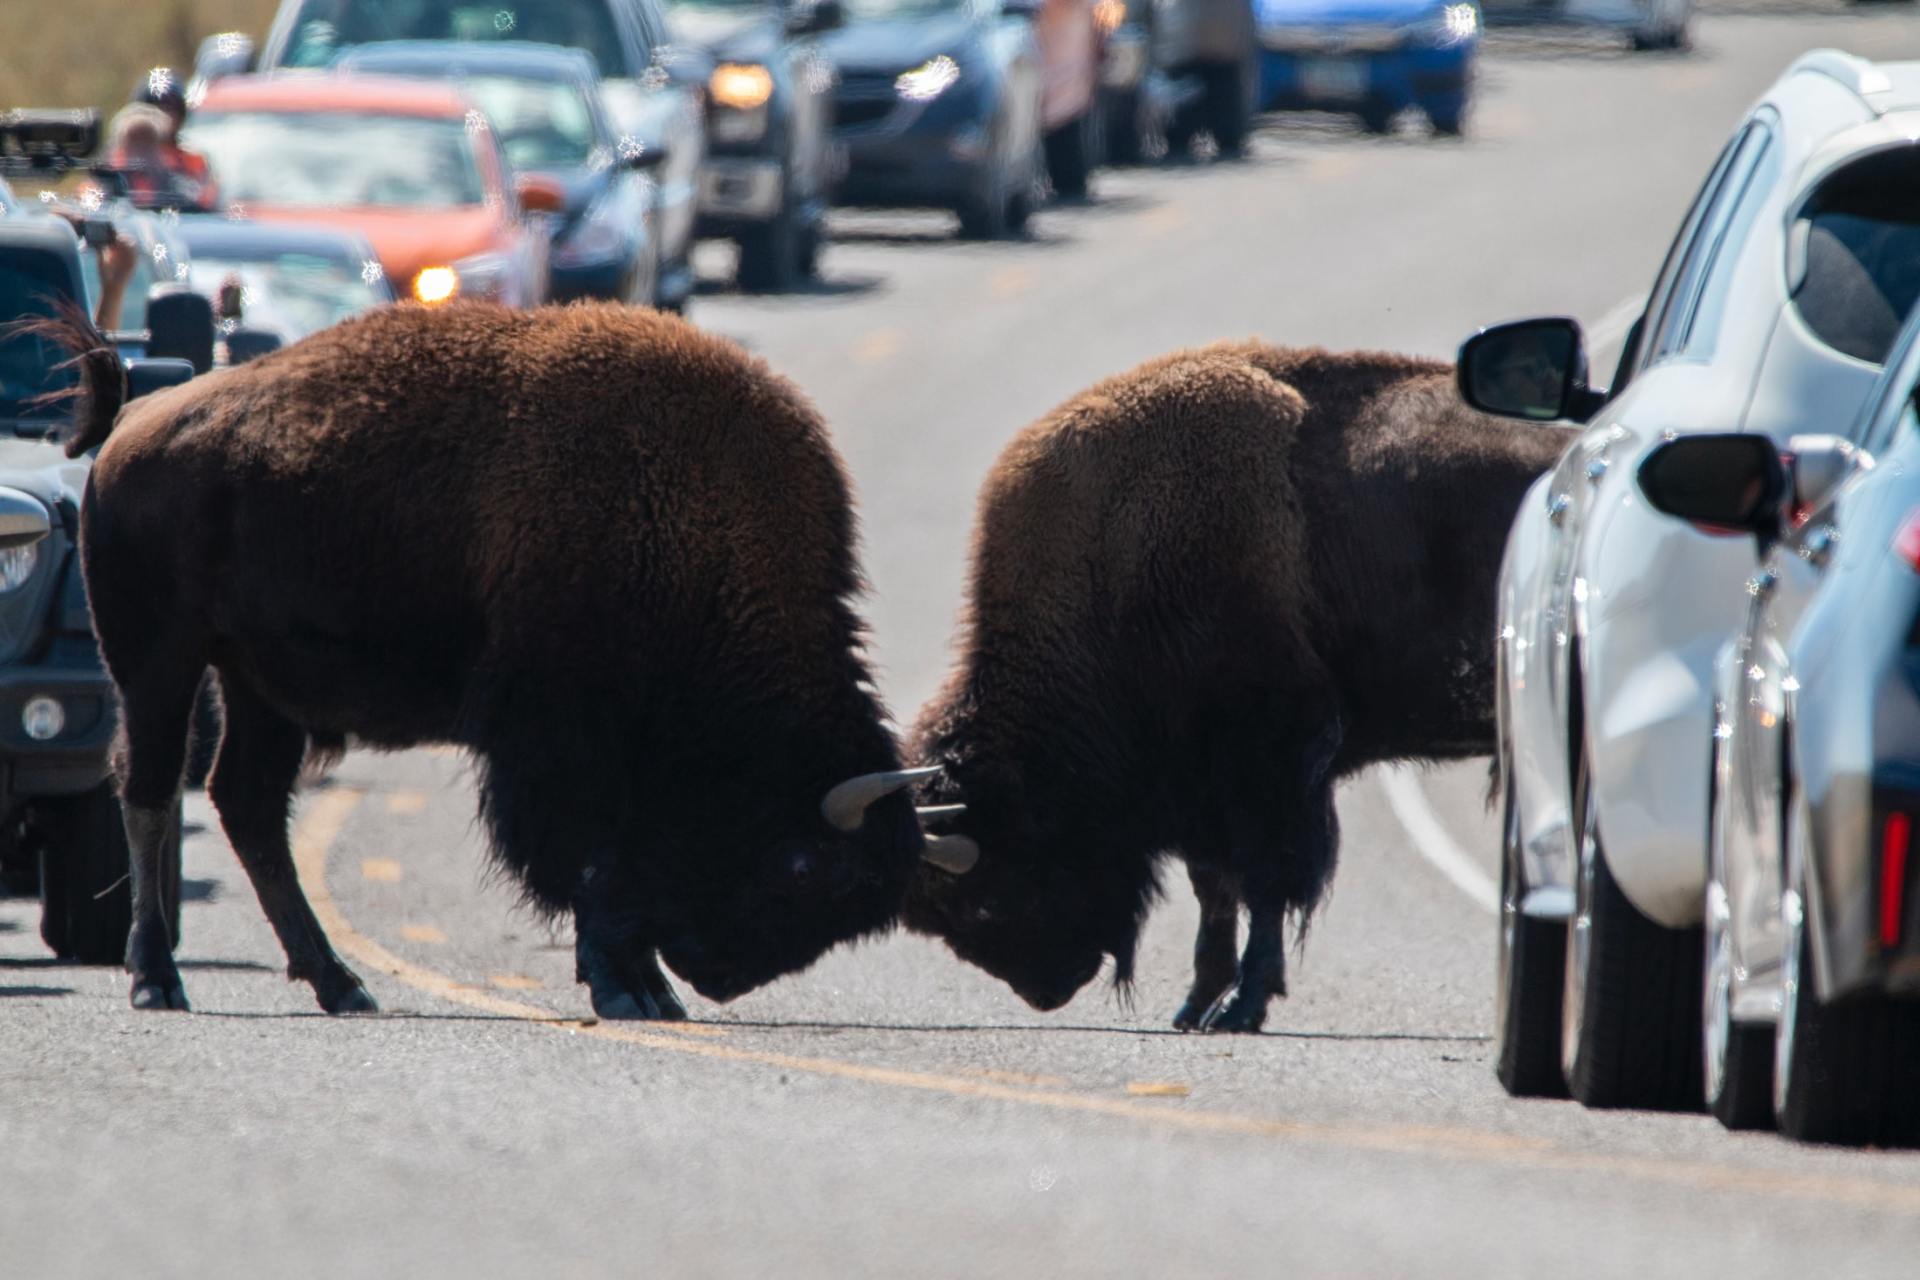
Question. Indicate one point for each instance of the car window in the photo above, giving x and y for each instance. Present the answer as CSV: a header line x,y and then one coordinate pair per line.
x,y
1858,242
1715,245
323,28
1893,398
30,366
328,159
541,124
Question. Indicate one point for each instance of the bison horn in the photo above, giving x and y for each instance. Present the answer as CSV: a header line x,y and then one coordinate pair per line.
x,y
935,812
951,853
845,807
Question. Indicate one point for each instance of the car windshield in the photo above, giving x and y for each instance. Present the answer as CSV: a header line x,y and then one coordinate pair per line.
x,y
29,284
541,124
325,27
292,294
882,10
322,159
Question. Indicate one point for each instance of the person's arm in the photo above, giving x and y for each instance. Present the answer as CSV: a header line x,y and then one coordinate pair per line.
x,y
117,258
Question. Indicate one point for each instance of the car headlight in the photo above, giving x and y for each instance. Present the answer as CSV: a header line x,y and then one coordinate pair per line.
x,y
435,285
740,85
928,80
17,565
1447,26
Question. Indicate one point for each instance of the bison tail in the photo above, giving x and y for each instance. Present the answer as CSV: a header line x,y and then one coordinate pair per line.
x,y
101,388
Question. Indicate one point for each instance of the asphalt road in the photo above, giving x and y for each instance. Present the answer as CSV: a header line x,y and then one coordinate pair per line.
x,y
891,1111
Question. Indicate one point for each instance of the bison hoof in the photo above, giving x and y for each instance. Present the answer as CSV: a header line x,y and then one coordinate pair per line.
x,y
625,1006
1194,1013
352,1000
165,993
668,1006
1237,1015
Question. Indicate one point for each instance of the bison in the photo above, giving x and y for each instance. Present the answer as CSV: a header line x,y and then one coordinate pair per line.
x,y
610,557
1202,592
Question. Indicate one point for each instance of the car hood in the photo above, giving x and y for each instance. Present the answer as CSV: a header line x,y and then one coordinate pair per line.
x,y
1333,13
897,45
405,239
732,34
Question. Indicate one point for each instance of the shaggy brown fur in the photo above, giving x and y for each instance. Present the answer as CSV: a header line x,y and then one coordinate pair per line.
x,y
609,554
1201,592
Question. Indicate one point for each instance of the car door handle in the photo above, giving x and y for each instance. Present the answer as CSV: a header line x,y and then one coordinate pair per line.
x,y
1557,504
1597,469
1817,546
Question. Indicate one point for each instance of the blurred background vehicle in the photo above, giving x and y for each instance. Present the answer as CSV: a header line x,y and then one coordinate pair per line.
x,y
1773,310
1072,47
1372,58
544,105
1133,102
60,824
411,166
654,93
1812,963
282,280
1648,24
938,106
771,160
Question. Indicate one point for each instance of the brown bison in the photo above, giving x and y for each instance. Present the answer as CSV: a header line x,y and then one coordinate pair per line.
x,y
1202,592
608,555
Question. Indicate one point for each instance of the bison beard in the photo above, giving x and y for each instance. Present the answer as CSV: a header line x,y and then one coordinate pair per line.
x,y
608,555
1202,592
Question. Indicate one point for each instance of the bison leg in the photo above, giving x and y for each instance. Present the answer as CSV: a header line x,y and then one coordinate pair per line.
x,y
156,712
620,970
1215,946
252,787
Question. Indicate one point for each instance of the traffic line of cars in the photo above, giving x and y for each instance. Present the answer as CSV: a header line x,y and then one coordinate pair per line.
x,y
1709,721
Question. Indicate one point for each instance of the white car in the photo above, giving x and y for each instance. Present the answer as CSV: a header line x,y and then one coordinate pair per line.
x,y
1610,614
1649,24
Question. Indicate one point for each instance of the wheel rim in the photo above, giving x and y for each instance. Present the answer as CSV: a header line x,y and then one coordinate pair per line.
x,y
1509,918
1580,926
1793,918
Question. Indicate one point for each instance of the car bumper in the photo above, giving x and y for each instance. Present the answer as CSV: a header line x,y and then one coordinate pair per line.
x,y
738,191
75,759
603,278
1308,80
914,169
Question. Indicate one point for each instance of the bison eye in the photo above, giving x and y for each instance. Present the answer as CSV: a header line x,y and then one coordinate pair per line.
x,y
801,869
983,915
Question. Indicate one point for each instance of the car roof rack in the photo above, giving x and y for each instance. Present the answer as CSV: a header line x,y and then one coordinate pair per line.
x,y
1855,74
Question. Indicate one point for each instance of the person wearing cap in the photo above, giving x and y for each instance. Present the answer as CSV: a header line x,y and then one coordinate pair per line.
x,y
188,171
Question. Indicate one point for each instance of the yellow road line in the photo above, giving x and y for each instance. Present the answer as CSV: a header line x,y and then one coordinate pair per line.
x,y
379,870
422,933
326,813
514,982
407,802
876,346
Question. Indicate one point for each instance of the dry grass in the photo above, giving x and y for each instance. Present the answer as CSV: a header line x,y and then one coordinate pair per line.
x,y
89,53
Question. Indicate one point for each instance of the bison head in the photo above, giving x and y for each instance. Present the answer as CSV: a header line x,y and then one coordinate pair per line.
x,y
835,874
1009,898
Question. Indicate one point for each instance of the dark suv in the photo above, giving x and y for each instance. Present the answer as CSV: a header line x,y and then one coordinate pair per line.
x,y
59,816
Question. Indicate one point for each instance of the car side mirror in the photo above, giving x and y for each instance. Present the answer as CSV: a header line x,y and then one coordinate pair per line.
x,y
148,375
1817,465
180,325
1725,482
250,344
1530,369
648,156
810,19
23,519
538,193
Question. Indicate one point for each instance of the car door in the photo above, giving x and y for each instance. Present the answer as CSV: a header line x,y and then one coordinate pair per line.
x,y
658,107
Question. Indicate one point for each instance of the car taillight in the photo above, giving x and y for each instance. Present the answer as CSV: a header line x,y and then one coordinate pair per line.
x,y
1895,835
1906,543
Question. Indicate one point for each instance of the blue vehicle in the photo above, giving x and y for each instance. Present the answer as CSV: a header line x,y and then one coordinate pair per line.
x,y
544,104
938,106
1370,58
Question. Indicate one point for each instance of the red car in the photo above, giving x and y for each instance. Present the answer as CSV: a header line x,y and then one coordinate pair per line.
x,y
411,165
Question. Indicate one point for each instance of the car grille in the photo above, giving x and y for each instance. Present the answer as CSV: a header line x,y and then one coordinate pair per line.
x,y
863,99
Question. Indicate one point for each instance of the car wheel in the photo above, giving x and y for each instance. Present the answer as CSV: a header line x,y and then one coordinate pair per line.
x,y
1228,114
1447,122
1377,119
770,254
1630,1010
1068,160
1737,1058
86,889
983,214
1529,977
812,242
1847,1072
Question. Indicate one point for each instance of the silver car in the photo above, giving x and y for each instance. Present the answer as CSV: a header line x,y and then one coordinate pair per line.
x,y
1812,956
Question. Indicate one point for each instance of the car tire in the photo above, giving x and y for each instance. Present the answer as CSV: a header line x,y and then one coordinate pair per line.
x,y
812,243
770,254
1126,133
1377,119
1448,122
86,888
1228,112
1529,976
1069,162
1630,1008
1844,1073
1736,1063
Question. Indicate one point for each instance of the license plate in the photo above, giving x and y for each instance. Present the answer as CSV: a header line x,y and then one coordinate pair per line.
x,y
1333,78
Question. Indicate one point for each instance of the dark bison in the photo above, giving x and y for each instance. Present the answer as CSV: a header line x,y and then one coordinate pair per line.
x,y
1202,592
608,555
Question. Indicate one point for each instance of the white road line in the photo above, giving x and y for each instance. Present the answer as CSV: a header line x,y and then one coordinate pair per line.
x,y
1430,838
